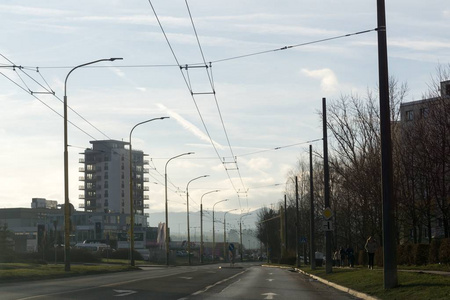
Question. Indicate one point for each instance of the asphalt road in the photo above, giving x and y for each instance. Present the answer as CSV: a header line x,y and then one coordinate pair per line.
x,y
244,281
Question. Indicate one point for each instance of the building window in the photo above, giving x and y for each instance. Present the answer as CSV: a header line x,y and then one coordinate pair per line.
x,y
106,193
409,115
106,166
106,184
424,112
106,175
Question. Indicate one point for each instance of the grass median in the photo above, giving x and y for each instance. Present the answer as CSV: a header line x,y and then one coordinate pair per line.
x,y
32,271
411,285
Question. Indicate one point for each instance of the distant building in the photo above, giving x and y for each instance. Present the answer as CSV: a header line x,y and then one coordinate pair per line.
x,y
106,178
28,224
43,203
416,110
416,117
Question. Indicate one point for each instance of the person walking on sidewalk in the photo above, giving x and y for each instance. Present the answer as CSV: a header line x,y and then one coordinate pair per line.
x,y
371,246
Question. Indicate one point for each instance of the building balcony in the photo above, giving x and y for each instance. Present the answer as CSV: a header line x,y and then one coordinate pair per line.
x,y
81,160
81,187
81,169
81,205
146,197
81,196
81,178
145,171
146,179
146,189
146,206
146,162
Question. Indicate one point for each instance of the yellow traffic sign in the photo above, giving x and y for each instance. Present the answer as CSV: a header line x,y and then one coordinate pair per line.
x,y
327,213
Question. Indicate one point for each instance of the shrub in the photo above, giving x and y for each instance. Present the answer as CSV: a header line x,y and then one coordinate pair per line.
x,y
402,257
420,253
444,251
124,254
378,260
82,255
362,258
433,255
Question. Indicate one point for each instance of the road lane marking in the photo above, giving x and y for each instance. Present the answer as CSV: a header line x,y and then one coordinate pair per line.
x,y
269,295
187,278
124,292
217,283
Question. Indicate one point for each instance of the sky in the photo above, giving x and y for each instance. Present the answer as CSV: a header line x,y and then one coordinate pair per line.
x,y
248,135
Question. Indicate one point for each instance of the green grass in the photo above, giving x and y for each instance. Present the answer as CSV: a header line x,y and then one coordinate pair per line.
x,y
31,271
411,285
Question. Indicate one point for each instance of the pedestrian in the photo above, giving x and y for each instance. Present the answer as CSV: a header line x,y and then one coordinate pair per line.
x,y
371,247
342,253
350,256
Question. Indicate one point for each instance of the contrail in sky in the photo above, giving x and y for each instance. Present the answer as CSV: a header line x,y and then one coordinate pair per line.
x,y
188,125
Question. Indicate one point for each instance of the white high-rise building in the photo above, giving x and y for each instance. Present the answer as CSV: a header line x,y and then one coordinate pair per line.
x,y
107,178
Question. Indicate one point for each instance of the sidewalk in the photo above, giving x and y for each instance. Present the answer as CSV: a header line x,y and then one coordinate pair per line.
x,y
360,294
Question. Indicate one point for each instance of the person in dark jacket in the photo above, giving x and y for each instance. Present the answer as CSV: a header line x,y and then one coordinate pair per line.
x,y
350,256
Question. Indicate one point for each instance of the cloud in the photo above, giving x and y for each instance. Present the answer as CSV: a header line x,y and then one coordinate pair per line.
x,y
259,163
188,125
328,80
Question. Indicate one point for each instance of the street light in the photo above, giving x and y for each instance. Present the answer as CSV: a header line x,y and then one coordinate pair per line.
x,y
240,232
66,169
187,210
201,224
297,238
214,233
131,192
166,228
225,233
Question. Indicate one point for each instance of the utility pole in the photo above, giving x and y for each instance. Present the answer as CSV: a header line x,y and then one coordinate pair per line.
x,y
297,238
326,178
389,245
312,257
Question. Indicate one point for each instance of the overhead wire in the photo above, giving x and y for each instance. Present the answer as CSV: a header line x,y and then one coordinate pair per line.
x,y
188,86
211,81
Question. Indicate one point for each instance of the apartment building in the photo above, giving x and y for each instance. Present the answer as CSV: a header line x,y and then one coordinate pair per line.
x,y
106,178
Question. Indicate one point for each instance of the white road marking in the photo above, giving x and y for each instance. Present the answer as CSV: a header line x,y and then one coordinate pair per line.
x,y
124,292
269,295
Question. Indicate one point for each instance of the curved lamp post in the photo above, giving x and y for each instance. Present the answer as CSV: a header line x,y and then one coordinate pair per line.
x,y
240,232
131,191
66,169
225,233
214,233
187,210
201,223
166,227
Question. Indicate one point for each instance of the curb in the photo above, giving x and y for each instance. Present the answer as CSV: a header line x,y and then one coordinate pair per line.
x,y
340,287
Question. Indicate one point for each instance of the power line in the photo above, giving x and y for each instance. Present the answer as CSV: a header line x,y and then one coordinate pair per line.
x,y
295,45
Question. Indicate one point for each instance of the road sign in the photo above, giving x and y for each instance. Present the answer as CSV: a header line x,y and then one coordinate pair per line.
x,y
231,247
327,225
327,213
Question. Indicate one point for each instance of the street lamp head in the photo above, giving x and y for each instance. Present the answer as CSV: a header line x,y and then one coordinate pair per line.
x,y
115,58
189,153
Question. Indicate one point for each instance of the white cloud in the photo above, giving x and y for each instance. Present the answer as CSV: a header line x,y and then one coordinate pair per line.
x,y
328,80
259,163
